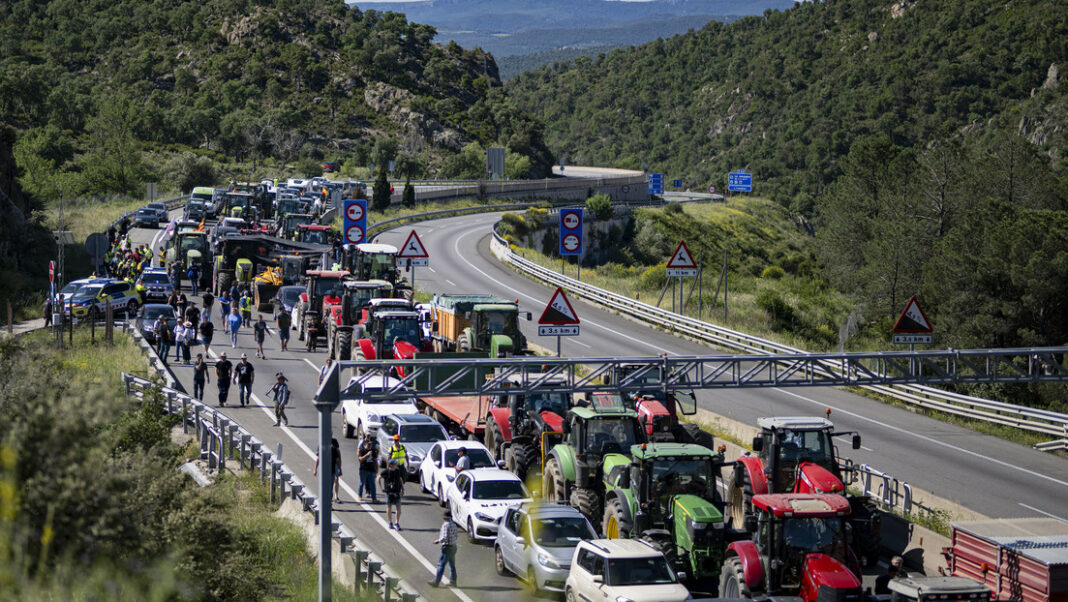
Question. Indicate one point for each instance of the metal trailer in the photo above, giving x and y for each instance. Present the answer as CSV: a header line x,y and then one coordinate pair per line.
x,y
1022,559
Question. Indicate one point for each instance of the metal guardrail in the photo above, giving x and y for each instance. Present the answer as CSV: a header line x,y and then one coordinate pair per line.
x,y
222,439
1031,419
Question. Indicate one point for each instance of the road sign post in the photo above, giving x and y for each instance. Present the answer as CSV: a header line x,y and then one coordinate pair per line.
x,y
327,398
354,224
559,319
571,236
413,254
681,265
912,328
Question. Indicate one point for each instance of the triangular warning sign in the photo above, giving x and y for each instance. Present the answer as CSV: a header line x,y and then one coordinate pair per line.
x,y
682,258
559,311
413,247
913,319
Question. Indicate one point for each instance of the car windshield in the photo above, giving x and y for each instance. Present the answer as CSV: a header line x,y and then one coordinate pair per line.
x,y
498,490
639,571
500,322
290,296
401,329
422,432
153,278
477,457
146,213
683,475
556,403
807,446
88,292
152,313
562,532
325,286
315,236
378,265
156,206
71,288
813,534
607,435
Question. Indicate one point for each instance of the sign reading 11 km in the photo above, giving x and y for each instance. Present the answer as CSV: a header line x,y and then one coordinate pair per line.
x,y
354,227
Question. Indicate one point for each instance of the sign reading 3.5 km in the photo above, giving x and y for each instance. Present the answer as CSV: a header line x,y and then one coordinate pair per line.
x,y
354,227
559,318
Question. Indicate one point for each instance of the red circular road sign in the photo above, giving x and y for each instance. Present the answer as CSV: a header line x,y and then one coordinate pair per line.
x,y
626,188
51,271
354,212
712,190
572,242
354,235
571,220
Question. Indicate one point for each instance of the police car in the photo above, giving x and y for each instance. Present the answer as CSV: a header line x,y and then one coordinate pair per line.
x,y
92,300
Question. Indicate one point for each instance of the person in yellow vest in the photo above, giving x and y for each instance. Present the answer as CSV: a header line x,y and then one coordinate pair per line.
x,y
246,308
398,452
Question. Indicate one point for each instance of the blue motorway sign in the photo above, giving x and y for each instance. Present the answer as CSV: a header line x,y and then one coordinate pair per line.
x,y
676,183
571,231
740,181
656,183
354,228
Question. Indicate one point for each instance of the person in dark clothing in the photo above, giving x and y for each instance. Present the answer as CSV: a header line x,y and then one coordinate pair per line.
x,y
192,315
882,582
180,303
393,484
200,376
208,300
47,311
260,332
280,391
367,454
244,375
207,331
335,462
223,373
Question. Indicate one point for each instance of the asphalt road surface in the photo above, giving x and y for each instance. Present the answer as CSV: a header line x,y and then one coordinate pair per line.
x,y
984,473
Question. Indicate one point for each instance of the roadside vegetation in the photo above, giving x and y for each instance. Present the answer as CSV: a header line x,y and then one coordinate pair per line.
x,y
92,505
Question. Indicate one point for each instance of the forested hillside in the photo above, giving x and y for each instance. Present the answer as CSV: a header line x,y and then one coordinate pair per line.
x,y
106,92
785,95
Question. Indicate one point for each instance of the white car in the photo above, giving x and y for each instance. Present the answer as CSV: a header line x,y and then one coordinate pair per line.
x,y
437,470
479,498
361,416
621,569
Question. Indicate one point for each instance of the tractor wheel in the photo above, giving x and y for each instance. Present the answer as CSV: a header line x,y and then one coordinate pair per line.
x,y
588,503
331,350
225,280
526,460
360,358
464,345
732,580
665,546
553,485
493,439
688,432
615,524
740,496
344,346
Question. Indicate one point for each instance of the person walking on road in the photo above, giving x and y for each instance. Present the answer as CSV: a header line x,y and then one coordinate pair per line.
x,y
181,303
244,375
367,456
392,481
224,306
260,332
246,308
180,337
46,311
223,373
335,462
233,325
207,301
398,453
447,540
283,322
163,338
200,377
207,331
194,278
325,369
280,391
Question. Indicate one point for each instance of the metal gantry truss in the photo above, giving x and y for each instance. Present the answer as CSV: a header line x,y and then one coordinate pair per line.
x,y
457,376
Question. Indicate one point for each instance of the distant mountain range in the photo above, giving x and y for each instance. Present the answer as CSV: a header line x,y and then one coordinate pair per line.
x,y
510,28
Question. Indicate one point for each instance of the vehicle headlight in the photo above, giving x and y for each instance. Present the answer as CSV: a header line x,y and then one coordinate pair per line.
x,y
698,526
485,517
415,459
373,418
450,477
547,561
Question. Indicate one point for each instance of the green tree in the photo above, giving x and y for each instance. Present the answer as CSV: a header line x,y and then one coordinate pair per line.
x,y
409,193
381,195
600,206
113,163
188,170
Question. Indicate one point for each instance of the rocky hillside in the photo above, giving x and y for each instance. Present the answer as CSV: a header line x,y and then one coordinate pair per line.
x,y
244,81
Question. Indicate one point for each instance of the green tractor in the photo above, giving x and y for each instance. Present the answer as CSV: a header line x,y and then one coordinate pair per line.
x,y
667,495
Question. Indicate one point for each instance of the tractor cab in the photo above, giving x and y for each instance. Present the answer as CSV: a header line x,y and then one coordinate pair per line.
x,y
356,299
287,203
190,247
372,261
313,233
396,330
287,225
799,454
658,407
239,204
800,540
496,327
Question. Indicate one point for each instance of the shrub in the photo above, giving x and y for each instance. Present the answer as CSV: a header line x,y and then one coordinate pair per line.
x,y
653,278
600,206
674,208
772,272
781,314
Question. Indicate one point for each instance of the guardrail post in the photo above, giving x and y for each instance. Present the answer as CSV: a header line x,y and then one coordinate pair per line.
x,y
265,461
407,597
391,582
222,423
231,437
185,415
274,477
906,498
358,558
222,449
283,479
244,450
196,419
372,568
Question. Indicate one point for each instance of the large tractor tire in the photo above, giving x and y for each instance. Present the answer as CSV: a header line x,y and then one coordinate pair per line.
x,y
588,503
344,346
615,524
553,485
359,357
330,349
224,282
688,432
493,439
732,580
525,460
740,497
866,521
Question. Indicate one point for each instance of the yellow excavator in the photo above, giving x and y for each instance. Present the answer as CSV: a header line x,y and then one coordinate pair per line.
x,y
266,286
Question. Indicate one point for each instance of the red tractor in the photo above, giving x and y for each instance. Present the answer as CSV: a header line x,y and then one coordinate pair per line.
x,y
798,455
799,548
391,333
324,287
345,314
517,425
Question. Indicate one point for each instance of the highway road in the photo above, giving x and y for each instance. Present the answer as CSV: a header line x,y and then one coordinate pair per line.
x,y
986,474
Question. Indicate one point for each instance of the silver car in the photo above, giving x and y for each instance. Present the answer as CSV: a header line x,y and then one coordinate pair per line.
x,y
536,542
418,433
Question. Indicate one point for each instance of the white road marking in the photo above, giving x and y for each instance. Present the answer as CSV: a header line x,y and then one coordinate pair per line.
x,y
431,269
928,439
1043,512
583,344
450,282
843,438
456,248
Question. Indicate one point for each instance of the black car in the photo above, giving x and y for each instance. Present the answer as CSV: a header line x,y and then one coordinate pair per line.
x,y
146,218
194,210
148,315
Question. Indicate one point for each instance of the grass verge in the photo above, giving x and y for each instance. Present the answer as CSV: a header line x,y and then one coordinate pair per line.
x,y
86,216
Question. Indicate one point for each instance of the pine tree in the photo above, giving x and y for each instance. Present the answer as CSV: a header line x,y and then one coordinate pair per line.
x,y
409,193
381,198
